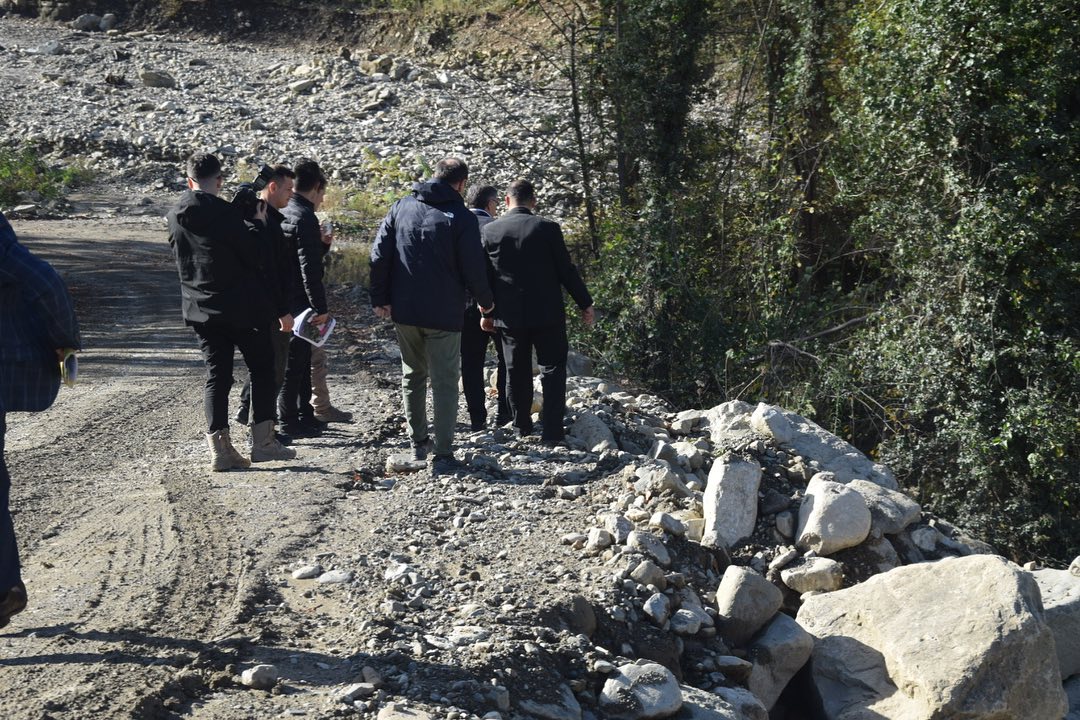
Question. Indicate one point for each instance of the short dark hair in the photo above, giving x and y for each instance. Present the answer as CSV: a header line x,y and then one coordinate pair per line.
x,y
280,172
522,191
451,170
480,195
309,176
203,166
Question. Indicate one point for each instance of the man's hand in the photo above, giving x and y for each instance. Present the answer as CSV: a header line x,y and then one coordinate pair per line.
x,y
286,322
327,232
486,310
382,311
588,316
320,319
260,211
487,325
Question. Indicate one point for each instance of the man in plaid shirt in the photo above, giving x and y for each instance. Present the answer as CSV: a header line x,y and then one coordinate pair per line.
x,y
37,324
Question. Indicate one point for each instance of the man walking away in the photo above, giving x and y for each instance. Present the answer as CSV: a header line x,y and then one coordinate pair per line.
x,y
216,261
426,255
531,267
483,203
301,227
37,324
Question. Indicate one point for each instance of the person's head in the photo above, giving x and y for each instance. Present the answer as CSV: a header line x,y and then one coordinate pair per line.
x,y
452,171
310,181
521,193
204,173
483,197
279,188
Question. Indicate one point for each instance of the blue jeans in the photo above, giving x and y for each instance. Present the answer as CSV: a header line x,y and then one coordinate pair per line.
x,y
9,551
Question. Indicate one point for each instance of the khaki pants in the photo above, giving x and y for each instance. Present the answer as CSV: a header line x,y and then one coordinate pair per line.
x,y
435,354
320,394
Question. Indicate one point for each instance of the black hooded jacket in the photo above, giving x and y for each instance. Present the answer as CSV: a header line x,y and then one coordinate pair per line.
x,y
216,258
426,256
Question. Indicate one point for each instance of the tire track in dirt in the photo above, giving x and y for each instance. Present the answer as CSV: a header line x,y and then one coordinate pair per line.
x,y
136,558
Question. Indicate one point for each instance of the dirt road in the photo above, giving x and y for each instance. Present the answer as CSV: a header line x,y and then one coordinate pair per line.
x,y
137,560
154,583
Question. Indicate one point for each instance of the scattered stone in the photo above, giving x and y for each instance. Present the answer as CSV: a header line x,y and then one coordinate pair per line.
x,y
156,78
685,622
260,677
1074,568
87,22
658,478
307,572
641,692
404,463
593,432
814,574
668,523
647,572
334,577
964,637
650,545
745,601
300,87
357,691
658,608
832,517
397,711
731,501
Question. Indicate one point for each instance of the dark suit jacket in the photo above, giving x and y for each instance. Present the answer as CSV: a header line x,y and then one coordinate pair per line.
x,y
36,319
531,266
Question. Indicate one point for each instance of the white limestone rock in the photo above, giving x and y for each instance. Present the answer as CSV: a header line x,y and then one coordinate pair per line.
x,y
641,692
832,517
890,510
593,432
813,574
731,501
962,637
1060,592
778,653
745,601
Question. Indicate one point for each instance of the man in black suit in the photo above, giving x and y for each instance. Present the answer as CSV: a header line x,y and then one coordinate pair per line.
x,y
531,266
483,203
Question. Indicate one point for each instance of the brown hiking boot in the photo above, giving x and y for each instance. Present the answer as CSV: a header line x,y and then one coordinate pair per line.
x,y
223,456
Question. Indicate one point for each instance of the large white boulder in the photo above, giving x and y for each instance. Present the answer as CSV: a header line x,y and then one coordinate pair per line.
x,y
593,432
808,439
959,638
727,421
731,501
1060,591
832,517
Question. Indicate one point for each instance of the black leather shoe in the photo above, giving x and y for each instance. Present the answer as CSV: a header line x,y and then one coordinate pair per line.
x,y
310,421
242,415
12,603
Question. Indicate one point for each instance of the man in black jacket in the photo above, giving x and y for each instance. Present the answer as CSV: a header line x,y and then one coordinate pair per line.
x,y
426,255
301,227
483,203
531,267
275,278
216,258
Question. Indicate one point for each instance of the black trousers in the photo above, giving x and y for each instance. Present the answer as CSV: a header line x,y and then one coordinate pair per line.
x,y
474,343
218,344
294,400
9,552
280,343
551,349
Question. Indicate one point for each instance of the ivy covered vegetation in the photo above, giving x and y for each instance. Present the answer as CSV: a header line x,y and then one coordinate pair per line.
x,y
867,212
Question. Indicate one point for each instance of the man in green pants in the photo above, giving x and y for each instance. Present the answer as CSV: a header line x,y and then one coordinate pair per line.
x,y
426,255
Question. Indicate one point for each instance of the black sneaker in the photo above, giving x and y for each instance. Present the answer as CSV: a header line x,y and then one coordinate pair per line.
x,y
242,415
421,449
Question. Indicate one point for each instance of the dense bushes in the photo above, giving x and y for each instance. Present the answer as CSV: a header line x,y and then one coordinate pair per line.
x,y
874,221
